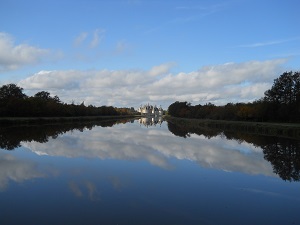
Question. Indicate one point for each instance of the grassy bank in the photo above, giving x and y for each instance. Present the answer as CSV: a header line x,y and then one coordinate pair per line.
x,y
290,130
46,120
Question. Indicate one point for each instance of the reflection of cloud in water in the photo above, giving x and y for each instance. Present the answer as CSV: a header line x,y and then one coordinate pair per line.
x,y
14,169
88,186
92,191
270,194
104,144
156,145
117,182
75,189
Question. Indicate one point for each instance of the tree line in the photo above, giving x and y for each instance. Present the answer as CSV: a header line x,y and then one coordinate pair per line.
x,y
14,103
280,103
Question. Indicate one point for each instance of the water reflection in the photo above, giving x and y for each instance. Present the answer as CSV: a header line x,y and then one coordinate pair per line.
x,y
87,188
156,146
285,158
210,148
17,170
12,136
125,174
282,153
151,121
120,142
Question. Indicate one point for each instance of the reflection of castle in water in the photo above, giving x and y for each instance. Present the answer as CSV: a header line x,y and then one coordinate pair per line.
x,y
151,121
149,110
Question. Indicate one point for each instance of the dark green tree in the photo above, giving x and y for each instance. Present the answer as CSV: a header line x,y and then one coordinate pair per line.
x,y
44,95
284,89
11,91
179,109
283,98
11,100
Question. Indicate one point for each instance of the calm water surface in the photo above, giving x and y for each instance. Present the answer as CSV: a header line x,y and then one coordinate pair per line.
x,y
139,173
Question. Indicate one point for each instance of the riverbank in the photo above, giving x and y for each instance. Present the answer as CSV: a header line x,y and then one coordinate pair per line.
x,y
45,120
290,130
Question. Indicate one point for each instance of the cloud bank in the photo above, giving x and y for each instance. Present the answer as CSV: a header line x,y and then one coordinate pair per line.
x,y
218,84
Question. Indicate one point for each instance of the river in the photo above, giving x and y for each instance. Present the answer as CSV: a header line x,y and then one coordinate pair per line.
x,y
146,172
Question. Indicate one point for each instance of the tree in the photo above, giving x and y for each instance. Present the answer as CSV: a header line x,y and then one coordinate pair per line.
x,y
11,91
246,111
56,99
11,100
285,89
179,109
284,97
44,95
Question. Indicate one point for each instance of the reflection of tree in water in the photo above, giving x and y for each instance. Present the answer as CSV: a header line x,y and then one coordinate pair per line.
x,y
285,157
177,130
7,141
282,153
183,131
12,136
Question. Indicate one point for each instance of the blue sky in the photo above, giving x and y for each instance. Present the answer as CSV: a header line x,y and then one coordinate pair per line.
x,y
132,52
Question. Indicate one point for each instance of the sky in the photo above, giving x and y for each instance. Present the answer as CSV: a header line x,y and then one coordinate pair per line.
x,y
126,53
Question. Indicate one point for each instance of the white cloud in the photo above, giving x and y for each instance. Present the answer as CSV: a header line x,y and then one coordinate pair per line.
x,y
219,84
53,80
121,47
14,56
97,37
80,38
161,69
86,47
267,43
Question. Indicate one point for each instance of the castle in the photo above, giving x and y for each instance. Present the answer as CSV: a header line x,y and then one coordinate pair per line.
x,y
149,110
